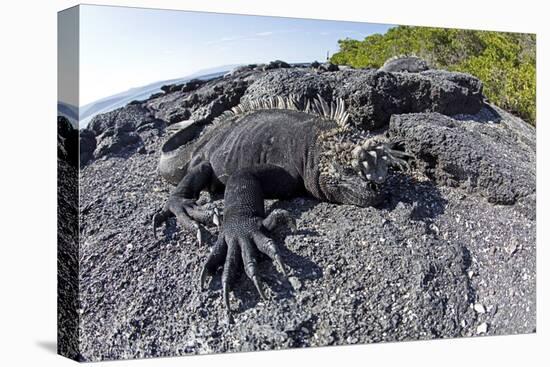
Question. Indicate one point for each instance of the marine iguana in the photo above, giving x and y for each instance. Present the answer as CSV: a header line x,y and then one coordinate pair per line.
x,y
403,63
269,148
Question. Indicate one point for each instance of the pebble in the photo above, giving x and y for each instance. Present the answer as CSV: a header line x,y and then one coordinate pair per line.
x,y
482,328
511,248
479,308
295,282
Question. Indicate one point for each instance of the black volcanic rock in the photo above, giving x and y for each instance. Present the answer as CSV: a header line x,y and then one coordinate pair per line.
x,y
191,85
241,69
177,114
67,238
326,66
67,141
202,101
113,142
456,235
315,64
116,132
156,95
169,88
127,118
481,153
277,64
373,96
87,145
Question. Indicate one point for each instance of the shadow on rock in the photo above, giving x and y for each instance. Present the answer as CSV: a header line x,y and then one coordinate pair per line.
x,y
425,197
486,115
299,269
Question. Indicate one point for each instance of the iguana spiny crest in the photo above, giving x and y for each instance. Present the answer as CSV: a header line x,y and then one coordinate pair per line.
x,y
351,162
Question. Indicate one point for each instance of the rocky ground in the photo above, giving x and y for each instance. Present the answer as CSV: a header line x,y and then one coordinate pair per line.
x,y
67,239
450,254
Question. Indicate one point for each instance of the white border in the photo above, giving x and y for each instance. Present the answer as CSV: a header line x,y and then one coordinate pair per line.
x,y
28,179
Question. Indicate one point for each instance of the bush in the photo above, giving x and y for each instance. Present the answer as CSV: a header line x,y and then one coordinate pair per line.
x,y
505,62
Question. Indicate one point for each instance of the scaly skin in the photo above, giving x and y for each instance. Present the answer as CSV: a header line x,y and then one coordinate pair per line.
x,y
261,154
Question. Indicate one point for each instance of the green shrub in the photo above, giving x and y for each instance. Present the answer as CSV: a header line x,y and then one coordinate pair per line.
x,y
505,62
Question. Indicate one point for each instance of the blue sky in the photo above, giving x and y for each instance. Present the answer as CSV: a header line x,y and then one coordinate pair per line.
x,y
121,48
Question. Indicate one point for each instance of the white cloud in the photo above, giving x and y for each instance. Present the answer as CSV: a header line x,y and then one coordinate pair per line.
x,y
225,40
248,37
229,39
235,39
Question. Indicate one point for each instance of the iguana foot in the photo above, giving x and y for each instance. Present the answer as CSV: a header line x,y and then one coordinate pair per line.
x,y
398,157
190,216
240,240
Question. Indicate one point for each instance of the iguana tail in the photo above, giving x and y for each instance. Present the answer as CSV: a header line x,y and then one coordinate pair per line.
x,y
174,160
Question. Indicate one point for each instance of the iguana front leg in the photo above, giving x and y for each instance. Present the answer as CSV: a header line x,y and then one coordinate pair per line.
x,y
182,201
243,233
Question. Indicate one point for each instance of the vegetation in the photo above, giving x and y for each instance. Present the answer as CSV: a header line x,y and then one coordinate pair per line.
x,y
505,62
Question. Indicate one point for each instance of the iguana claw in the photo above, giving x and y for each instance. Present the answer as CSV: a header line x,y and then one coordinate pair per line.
x,y
216,218
258,287
240,241
399,158
159,218
189,216
279,263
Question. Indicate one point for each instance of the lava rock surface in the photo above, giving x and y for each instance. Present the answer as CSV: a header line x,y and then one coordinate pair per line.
x,y
67,240
450,254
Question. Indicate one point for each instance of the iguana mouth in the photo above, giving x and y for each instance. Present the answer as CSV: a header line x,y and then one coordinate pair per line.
x,y
366,193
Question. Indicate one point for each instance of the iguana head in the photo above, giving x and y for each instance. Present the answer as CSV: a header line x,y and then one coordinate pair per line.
x,y
353,166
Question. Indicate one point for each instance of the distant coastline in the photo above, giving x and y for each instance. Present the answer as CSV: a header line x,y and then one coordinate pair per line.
x,y
81,117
